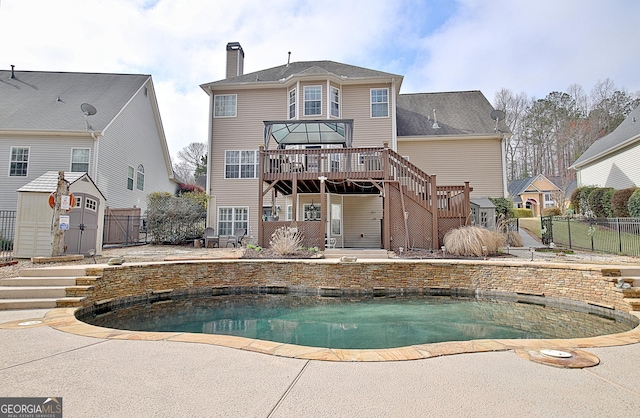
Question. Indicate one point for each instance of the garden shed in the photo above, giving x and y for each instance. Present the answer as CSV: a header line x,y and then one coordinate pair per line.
x,y
483,213
33,236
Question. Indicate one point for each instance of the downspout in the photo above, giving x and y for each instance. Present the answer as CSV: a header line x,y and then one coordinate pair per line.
x,y
211,201
96,148
503,152
394,133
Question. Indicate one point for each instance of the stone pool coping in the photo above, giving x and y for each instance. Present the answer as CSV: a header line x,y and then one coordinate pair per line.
x,y
63,319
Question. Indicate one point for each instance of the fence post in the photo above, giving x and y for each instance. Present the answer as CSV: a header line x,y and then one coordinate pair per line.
x,y
619,234
127,235
569,230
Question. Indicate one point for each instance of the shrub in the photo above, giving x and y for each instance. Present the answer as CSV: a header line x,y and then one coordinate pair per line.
x,y
514,239
595,201
503,206
574,200
188,188
605,200
634,204
469,240
174,220
620,202
285,241
585,209
522,213
551,212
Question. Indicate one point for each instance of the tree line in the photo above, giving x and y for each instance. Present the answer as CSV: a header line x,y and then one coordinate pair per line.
x,y
550,134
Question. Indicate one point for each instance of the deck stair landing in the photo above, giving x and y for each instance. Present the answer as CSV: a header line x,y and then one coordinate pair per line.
x,y
359,253
41,288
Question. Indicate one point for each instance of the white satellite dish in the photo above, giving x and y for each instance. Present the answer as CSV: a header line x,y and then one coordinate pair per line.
x,y
88,110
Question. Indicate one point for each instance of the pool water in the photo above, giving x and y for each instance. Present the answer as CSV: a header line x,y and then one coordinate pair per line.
x,y
358,323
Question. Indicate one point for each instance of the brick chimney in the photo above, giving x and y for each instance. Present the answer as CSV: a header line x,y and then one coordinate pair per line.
x,y
235,59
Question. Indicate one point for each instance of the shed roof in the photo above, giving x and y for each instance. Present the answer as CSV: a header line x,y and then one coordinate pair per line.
x,y
48,182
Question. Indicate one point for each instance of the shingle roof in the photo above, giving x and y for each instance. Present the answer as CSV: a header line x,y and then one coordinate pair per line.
x,y
30,100
516,187
48,182
305,68
628,129
457,113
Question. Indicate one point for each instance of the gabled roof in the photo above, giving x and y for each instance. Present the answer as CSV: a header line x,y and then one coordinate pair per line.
x,y
48,182
517,187
304,68
50,101
456,113
626,133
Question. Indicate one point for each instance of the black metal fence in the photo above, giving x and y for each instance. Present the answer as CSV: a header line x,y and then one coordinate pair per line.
x,y
7,234
608,235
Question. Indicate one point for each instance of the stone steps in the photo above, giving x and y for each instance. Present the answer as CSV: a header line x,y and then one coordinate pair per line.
x,y
50,287
631,275
358,253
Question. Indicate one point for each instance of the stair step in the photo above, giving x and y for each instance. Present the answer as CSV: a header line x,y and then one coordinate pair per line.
x,y
633,292
634,302
55,271
38,303
360,254
78,291
38,281
32,292
87,280
70,302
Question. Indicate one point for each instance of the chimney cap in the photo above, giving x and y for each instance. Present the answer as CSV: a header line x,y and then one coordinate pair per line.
x,y
235,45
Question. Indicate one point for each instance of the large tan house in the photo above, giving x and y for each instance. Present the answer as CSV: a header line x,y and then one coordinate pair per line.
x,y
336,151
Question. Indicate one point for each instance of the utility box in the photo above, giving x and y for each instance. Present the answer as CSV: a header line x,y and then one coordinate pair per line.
x,y
34,220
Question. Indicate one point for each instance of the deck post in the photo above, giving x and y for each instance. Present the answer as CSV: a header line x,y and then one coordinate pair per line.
x,y
386,225
323,212
433,191
261,157
467,203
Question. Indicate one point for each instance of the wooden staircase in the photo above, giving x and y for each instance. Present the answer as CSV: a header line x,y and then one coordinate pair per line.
x,y
43,288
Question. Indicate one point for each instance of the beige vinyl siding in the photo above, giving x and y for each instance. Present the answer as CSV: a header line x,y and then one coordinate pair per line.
x,y
455,161
45,154
243,132
132,139
356,105
361,221
618,170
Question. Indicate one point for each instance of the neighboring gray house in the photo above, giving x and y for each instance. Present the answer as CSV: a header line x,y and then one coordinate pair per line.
x,y
43,128
612,161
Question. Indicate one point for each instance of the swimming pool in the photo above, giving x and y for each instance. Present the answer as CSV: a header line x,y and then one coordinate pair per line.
x,y
361,322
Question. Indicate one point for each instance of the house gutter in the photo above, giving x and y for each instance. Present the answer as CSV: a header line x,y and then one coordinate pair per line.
x,y
605,153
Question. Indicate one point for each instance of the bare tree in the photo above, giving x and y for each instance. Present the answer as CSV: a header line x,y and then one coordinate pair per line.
x,y
193,160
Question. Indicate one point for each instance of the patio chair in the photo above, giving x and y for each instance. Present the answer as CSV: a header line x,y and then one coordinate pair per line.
x,y
236,239
210,237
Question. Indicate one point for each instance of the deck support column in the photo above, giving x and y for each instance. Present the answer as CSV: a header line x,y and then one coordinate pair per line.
x,y
323,212
434,212
261,157
467,203
386,224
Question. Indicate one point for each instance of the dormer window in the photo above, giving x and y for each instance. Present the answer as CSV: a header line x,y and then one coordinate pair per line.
x,y
312,100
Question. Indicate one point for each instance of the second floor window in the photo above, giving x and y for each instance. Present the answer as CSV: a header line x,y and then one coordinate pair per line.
x,y
130,173
225,105
292,104
379,103
19,162
140,178
80,160
335,102
240,165
312,100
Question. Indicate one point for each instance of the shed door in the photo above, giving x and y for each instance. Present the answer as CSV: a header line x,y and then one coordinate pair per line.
x,y
83,225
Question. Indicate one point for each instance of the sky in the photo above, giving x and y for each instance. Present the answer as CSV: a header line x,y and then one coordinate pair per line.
x,y
530,46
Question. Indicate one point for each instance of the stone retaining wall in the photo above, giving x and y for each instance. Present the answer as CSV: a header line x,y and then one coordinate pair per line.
x,y
586,283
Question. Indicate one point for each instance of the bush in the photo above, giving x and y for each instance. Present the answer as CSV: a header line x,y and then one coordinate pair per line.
x,y
285,241
469,240
551,212
514,239
522,213
596,201
634,204
503,206
574,200
620,202
606,200
585,209
174,220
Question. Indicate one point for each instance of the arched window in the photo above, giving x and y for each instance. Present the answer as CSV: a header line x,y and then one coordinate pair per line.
x,y
140,178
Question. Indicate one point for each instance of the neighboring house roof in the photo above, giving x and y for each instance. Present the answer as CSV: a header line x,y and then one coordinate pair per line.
x,y
305,68
48,182
517,187
50,101
625,134
456,113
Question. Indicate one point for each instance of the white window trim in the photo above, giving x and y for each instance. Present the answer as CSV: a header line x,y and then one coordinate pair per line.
x,y
304,103
132,171
88,160
10,161
138,173
295,103
91,204
233,220
235,108
331,102
371,103
256,164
